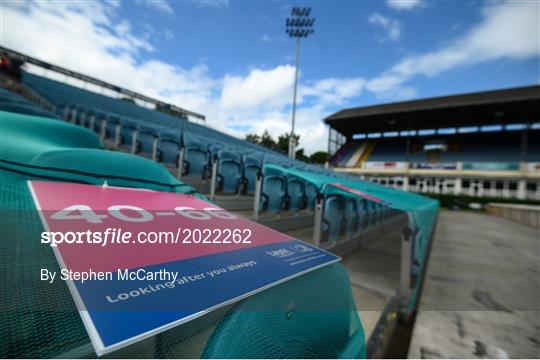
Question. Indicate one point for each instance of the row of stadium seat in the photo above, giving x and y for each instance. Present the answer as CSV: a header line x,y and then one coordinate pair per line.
x,y
500,146
166,137
341,216
344,217
201,147
12,102
280,192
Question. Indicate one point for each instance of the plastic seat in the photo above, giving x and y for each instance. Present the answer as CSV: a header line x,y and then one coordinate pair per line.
x,y
214,150
27,110
169,147
296,193
333,218
112,122
129,126
251,168
229,171
363,216
372,213
196,158
146,136
273,193
351,216
311,195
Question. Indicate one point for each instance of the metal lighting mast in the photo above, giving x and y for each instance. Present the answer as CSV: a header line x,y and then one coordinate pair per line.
x,y
298,25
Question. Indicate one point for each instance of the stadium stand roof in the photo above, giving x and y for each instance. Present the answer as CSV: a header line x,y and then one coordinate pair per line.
x,y
132,94
515,105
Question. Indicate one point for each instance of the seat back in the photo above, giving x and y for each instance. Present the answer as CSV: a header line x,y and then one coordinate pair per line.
x,y
351,216
295,193
250,176
311,195
229,171
196,157
363,217
273,192
333,213
214,149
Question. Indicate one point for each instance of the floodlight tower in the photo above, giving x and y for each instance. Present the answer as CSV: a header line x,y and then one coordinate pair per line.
x,y
298,25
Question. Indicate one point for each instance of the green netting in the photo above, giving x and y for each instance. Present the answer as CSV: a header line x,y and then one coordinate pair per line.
x,y
294,321
40,320
422,211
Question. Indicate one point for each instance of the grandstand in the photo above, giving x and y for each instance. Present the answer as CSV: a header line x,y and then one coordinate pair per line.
x,y
482,144
59,132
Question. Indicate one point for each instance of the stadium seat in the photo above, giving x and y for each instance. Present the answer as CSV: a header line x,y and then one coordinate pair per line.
x,y
128,127
371,213
311,195
251,168
146,137
351,216
169,147
333,218
273,193
196,158
229,171
363,217
214,150
26,109
295,193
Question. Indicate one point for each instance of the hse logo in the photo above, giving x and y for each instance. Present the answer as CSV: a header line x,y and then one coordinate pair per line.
x,y
296,249
280,253
302,248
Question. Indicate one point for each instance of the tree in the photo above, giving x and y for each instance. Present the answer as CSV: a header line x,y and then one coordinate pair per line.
x,y
281,145
283,142
301,156
319,157
127,99
268,141
253,138
166,108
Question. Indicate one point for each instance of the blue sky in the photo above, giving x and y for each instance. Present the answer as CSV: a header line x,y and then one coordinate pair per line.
x,y
233,61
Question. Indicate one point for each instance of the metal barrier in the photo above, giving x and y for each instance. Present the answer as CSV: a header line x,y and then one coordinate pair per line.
x,y
257,197
181,162
213,180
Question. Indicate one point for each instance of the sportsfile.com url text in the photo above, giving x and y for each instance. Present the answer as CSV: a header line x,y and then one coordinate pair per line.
x,y
118,236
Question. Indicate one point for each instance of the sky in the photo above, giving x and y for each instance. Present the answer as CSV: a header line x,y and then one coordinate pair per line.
x,y
233,62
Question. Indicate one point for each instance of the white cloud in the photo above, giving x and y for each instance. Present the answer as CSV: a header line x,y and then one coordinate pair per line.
x,y
212,3
260,88
89,38
274,39
92,38
160,5
332,91
391,27
509,30
404,4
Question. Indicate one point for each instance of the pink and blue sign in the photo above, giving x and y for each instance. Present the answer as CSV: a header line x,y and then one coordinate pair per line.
x,y
183,258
